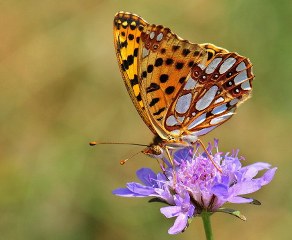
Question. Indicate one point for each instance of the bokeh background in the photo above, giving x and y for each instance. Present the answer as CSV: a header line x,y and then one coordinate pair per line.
x,y
61,88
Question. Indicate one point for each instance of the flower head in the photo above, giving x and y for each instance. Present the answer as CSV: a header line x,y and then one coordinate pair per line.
x,y
196,185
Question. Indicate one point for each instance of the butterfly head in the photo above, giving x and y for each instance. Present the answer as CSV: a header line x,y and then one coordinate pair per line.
x,y
157,148
154,151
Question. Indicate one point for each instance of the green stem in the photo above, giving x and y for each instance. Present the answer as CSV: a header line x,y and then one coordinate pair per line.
x,y
207,225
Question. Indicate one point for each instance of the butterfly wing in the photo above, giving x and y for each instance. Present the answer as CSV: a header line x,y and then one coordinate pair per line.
x,y
179,88
210,95
212,50
154,63
165,62
127,36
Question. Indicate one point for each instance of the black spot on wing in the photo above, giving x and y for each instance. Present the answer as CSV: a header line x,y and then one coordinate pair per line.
x,y
179,65
182,79
153,102
175,48
186,52
159,111
136,52
153,87
125,65
134,81
139,98
130,36
130,60
158,62
163,78
169,61
150,68
169,90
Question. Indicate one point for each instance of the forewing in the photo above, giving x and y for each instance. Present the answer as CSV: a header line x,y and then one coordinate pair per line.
x,y
210,95
127,37
165,62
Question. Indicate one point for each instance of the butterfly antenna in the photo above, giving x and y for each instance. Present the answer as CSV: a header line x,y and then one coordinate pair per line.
x,y
209,156
122,162
94,143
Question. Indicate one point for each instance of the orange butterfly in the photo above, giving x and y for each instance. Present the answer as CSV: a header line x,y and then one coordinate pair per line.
x,y
181,90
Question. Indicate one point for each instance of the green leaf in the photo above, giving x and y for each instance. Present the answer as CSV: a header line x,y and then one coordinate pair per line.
x,y
254,201
233,212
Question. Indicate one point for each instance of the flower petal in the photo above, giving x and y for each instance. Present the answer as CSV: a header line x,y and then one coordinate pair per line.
x,y
240,200
141,189
259,166
220,190
179,225
147,176
268,176
183,154
125,192
253,185
252,170
171,211
245,187
166,195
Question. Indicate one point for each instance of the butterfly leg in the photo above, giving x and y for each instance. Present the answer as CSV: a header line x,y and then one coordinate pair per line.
x,y
172,163
169,156
209,156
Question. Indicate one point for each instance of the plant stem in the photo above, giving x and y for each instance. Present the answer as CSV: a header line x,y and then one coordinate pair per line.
x,y
207,225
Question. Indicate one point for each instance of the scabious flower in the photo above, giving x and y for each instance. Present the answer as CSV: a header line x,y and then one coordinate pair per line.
x,y
196,186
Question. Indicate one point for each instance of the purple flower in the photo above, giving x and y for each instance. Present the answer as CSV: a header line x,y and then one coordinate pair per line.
x,y
196,185
183,210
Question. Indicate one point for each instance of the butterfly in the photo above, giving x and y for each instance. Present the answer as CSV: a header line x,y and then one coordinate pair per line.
x,y
181,90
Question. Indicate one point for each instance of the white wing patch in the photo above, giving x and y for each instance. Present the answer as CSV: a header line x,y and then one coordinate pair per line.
x,y
159,37
191,84
219,100
171,121
207,98
245,85
204,131
213,65
222,118
234,101
240,78
183,103
241,67
220,109
226,65
197,121
145,52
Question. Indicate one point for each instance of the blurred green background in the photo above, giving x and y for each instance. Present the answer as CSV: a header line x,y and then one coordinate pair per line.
x,y
61,88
